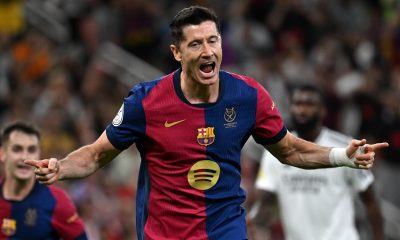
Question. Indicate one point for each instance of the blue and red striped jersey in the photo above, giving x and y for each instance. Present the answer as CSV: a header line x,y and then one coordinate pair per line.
x,y
189,180
47,213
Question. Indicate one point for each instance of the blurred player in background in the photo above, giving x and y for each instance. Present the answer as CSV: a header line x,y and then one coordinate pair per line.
x,y
29,210
314,204
189,127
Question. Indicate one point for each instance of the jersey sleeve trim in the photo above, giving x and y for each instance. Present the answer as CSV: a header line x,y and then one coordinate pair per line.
x,y
273,140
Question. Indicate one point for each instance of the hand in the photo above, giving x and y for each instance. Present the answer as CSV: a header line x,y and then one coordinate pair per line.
x,y
47,171
363,154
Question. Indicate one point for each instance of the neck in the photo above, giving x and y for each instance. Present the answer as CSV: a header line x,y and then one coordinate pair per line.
x,y
17,190
196,92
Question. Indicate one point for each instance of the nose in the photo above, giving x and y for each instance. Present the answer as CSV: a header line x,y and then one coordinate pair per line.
x,y
25,155
207,50
298,109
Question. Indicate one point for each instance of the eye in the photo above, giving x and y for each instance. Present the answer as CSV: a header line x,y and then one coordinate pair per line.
x,y
16,149
194,45
213,40
32,149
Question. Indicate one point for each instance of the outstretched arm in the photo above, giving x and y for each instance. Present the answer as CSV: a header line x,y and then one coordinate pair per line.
x,y
78,164
297,152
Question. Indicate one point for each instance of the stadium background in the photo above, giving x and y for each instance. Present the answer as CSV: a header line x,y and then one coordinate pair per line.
x,y
66,65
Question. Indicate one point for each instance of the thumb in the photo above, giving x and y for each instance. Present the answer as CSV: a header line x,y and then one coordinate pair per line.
x,y
353,146
52,164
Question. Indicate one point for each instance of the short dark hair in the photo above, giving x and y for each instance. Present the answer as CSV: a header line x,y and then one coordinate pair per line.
x,y
21,126
308,87
193,15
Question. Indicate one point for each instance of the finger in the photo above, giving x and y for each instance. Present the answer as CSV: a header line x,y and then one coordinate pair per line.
x,y
47,182
44,177
48,179
364,162
52,164
43,171
358,143
352,148
34,163
376,146
366,156
367,166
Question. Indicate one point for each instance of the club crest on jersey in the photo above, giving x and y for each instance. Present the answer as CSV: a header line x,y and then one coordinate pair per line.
x,y
203,175
205,136
9,226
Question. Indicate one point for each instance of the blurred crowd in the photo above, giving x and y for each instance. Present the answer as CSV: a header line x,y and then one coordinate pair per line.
x,y
51,73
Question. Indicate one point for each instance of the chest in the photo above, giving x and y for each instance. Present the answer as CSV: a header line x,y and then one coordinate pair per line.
x,y
312,182
226,125
27,220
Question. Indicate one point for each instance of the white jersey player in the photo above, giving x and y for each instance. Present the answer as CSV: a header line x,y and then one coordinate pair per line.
x,y
317,204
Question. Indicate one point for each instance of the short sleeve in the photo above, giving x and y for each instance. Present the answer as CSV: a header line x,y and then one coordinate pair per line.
x,y
268,174
129,124
359,179
65,219
269,127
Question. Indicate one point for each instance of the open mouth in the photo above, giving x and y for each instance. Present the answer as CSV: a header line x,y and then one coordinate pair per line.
x,y
23,166
207,67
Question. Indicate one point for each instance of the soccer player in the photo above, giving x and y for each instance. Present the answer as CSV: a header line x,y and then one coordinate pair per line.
x,y
29,210
189,127
322,200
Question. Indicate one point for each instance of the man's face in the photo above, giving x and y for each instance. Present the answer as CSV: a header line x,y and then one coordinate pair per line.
x,y
20,146
200,52
306,110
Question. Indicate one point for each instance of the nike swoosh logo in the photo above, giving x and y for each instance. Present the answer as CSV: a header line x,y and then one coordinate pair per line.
x,y
167,124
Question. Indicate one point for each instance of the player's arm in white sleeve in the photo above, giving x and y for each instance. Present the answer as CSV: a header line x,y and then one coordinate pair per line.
x,y
297,152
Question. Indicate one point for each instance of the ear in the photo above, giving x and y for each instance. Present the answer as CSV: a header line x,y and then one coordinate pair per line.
x,y
176,52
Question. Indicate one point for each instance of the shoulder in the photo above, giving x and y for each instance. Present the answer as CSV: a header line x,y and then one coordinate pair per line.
x,y
240,78
59,194
143,88
243,85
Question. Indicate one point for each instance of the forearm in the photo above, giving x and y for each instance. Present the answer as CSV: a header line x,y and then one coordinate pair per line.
x,y
300,153
78,164
86,160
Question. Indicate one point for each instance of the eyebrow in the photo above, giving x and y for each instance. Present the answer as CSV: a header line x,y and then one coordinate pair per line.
x,y
201,39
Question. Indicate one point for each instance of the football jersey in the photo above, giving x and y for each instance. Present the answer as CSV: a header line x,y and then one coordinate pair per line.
x,y
315,204
189,180
47,213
